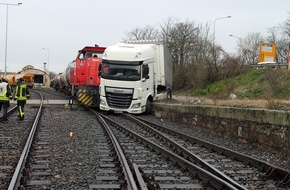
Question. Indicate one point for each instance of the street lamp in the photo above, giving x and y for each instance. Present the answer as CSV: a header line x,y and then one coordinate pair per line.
x,y
235,36
239,38
241,51
47,57
214,24
7,5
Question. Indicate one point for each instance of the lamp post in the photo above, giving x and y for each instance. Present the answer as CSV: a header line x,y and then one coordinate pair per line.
x,y
241,51
214,25
7,5
235,36
239,38
47,57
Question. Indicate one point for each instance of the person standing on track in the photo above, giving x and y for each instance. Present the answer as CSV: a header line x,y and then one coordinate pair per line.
x,y
21,95
5,97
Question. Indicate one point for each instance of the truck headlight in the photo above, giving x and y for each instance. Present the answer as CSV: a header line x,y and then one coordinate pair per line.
x,y
136,105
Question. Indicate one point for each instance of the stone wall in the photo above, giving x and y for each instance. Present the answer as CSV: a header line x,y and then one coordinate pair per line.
x,y
269,128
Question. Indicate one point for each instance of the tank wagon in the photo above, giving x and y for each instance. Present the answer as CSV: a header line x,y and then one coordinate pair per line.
x,y
81,78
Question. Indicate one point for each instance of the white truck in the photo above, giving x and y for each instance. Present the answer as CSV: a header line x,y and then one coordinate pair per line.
x,y
133,75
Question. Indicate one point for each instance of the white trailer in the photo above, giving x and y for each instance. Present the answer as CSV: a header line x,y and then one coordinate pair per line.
x,y
133,75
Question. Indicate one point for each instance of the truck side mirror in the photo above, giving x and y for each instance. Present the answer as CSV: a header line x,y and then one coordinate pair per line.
x,y
99,69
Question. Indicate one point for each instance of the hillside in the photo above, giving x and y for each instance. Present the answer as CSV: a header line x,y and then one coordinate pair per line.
x,y
264,88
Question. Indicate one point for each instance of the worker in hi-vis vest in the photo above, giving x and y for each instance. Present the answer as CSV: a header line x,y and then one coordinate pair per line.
x,y
21,95
5,97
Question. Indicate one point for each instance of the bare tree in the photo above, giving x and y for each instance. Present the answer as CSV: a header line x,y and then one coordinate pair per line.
x,y
182,38
197,61
249,48
280,41
280,35
52,75
287,27
146,33
207,56
286,35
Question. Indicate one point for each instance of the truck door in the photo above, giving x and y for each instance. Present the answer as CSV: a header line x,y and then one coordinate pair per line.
x,y
147,80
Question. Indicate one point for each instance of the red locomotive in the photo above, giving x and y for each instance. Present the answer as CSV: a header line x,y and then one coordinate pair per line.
x,y
81,78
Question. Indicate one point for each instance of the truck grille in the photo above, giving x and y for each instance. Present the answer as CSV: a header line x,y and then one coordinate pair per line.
x,y
119,98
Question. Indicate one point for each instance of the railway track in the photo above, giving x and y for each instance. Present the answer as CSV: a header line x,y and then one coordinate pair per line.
x,y
159,168
24,160
36,168
71,149
15,153
251,172
241,171
49,93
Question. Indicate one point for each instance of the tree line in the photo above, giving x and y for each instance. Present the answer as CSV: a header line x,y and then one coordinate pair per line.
x,y
198,60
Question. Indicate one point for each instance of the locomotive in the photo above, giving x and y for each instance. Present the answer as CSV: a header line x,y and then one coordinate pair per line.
x,y
81,78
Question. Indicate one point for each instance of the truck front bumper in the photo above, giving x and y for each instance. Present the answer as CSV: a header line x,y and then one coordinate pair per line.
x,y
105,107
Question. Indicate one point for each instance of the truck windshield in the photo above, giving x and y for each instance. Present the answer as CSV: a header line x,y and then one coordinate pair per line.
x,y
121,72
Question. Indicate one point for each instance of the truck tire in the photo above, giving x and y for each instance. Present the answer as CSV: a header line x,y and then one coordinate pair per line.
x,y
148,108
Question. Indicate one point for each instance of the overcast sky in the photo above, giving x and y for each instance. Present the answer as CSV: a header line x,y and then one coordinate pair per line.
x,y
65,26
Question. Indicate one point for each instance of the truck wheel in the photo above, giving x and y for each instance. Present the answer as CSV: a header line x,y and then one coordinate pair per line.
x,y
148,109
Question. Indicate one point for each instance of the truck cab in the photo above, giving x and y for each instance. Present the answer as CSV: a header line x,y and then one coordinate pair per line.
x,y
133,76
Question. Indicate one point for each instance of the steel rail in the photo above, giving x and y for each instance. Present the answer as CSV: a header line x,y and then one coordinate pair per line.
x,y
139,177
206,176
187,153
15,181
269,169
127,172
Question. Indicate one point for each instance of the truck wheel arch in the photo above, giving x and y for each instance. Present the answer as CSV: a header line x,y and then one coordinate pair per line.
x,y
148,107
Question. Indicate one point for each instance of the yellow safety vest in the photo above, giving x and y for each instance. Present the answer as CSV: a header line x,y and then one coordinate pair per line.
x,y
5,92
21,92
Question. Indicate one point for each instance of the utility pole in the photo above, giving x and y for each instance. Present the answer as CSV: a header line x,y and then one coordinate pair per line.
x,y
6,38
